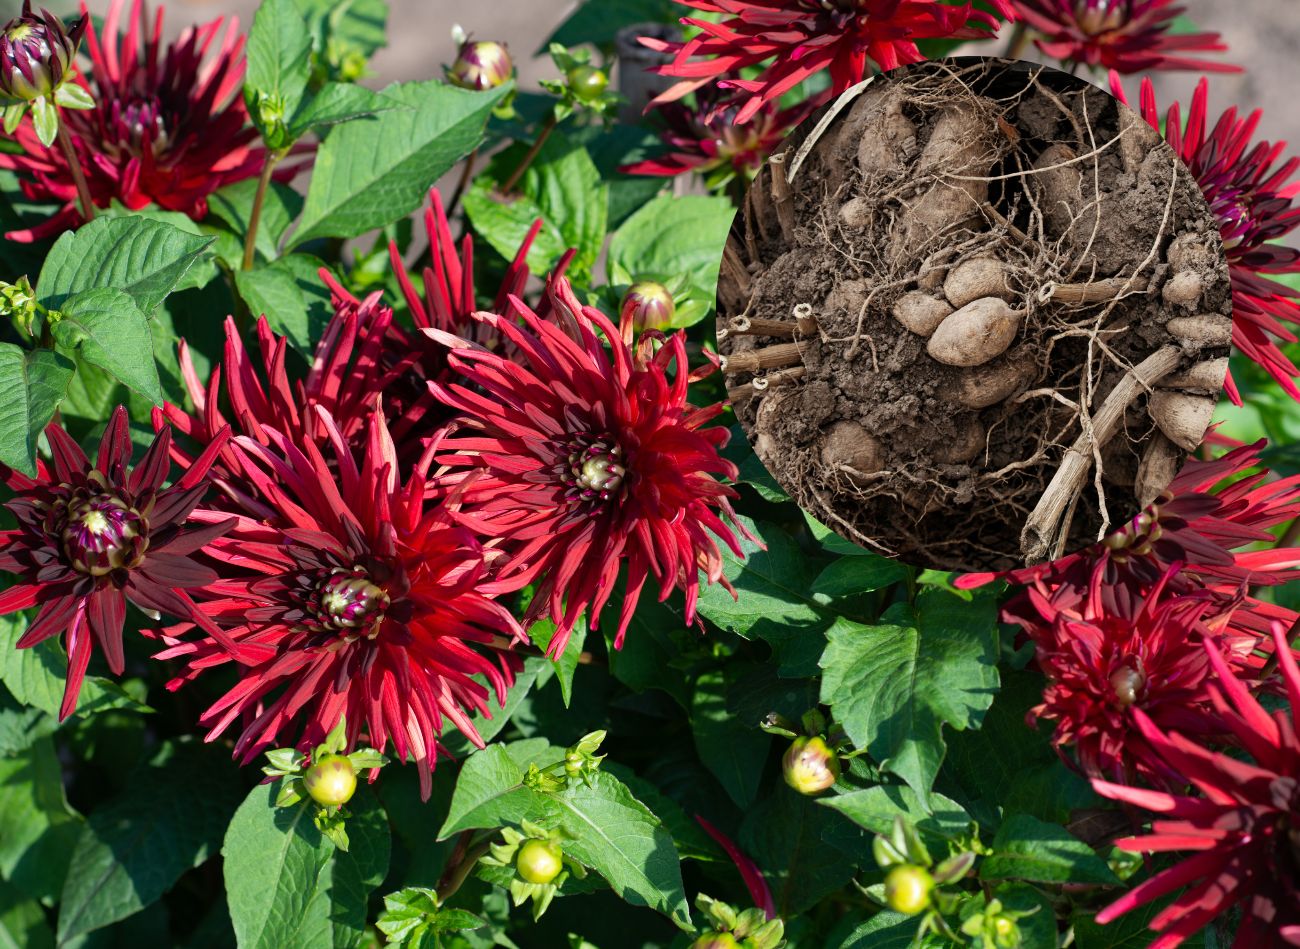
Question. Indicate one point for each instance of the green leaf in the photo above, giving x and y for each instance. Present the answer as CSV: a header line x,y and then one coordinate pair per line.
x,y
489,724
354,24
852,575
599,23
609,830
291,295
279,66
45,120
34,383
339,102
136,845
36,675
875,809
143,257
273,858
233,205
369,174
541,633
1130,931
337,914
895,685
670,236
786,835
106,329
734,750
37,829
22,921
1027,848
504,222
885,930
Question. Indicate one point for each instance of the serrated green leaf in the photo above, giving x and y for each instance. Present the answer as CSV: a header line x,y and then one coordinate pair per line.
x,y
541,633
893,686
885,930
673,235
369,174
279,63
136,845
339,102
143,257
734,751
273,858
355,24
1027,848
105,328
34,383
291,295
22,921
875,809
281,206
786,835
852,575
504,222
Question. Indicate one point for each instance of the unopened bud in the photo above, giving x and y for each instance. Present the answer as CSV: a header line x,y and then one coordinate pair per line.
x,y
810,766
481,65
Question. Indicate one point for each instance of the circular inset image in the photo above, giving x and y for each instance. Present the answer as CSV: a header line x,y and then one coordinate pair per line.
x,y
975,314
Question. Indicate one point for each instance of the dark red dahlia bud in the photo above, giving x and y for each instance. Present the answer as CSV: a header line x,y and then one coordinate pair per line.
x,y
810,766
331,781
348,599
35,53
539,861
102,533
481,65
651,305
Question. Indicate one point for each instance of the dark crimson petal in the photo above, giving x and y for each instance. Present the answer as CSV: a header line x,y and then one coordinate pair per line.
x,y
173,571
106,612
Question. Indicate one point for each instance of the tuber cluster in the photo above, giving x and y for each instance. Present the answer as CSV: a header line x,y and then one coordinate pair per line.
x,y
975,314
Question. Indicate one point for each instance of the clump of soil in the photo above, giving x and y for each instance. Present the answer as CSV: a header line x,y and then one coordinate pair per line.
x,y
976,315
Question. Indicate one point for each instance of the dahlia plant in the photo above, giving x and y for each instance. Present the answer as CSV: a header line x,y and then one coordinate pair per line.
x,y
373,516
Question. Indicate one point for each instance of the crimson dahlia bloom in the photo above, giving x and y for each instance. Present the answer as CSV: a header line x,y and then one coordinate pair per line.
x,y
793,39
90,538
1103,667
576,459
1125,35
707,139
1241,827
1254,199
168,127
345,594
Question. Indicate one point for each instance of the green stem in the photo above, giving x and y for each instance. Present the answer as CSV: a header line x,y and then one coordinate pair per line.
x,y
78,177
1018,41
547,128
466,173
464,858
255,217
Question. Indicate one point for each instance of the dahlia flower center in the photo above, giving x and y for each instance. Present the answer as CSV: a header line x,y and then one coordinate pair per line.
x,y
19,32
596,469
141,121
1101,16
1127,683
1138,537
349,600
103,533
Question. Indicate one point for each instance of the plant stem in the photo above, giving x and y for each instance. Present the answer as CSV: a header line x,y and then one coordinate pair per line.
x,y
79,177
1018,41
464,860
255,216
547,128
465,174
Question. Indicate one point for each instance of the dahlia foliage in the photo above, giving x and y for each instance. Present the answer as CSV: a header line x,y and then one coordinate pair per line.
x,y
364,457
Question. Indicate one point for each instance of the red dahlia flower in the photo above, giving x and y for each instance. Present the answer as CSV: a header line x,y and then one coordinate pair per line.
x,y
793,39
707,139
1242,826
1103,667
1254,202
1125,35
352,598
581,458
168,127
91,538
1196,524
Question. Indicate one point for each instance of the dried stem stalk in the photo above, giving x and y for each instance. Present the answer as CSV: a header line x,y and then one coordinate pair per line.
x,y
777,356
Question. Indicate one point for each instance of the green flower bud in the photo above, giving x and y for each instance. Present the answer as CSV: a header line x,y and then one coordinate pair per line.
x,y
586,82
539,861
715,941
331,781
907,889
810,766
35,53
